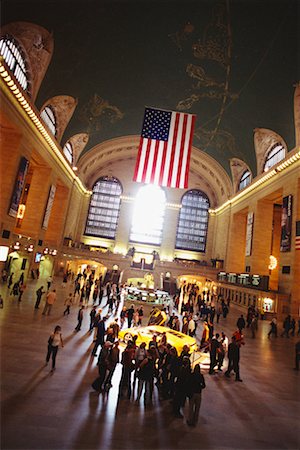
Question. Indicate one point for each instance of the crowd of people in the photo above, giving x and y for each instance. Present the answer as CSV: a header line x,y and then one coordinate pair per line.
x,y
158,365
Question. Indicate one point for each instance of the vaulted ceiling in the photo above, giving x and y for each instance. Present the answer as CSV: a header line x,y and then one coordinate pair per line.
x,y
232,63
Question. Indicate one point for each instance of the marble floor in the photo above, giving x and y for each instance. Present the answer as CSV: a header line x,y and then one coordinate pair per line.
x,y
60,410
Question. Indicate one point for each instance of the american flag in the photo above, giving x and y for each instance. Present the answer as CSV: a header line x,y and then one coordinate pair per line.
x,y
165,148
297,238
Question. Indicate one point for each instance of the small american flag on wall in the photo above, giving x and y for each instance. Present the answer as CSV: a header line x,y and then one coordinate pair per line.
x,y
297,238
165,148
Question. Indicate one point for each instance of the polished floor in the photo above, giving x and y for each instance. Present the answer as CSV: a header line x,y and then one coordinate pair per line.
x,y
60,410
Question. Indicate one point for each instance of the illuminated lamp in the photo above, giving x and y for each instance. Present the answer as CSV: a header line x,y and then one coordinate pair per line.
x,y
17,246
46,251
21,211
272,263
53,252
3,252
75,168
30,248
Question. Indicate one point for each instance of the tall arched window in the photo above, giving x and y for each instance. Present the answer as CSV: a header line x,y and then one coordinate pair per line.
x,y
245,180
193,221
148,215
103,215
12,55
68,152
48,117
276,154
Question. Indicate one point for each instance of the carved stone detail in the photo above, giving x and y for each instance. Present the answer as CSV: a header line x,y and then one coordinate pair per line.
x,y
63,107
264,139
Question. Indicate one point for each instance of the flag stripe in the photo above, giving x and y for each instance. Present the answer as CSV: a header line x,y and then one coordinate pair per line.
x,y
135,176
186,178
174,145
169,151
182,146
185,155
146,159
163,163
154,163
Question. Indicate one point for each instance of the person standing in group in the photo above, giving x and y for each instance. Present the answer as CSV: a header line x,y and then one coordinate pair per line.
x,y
68,303
40,291
79,318
273,329
54,341
214,347
1,302
129,313
233,359
113,360
196,384
50,300
219,311
241,323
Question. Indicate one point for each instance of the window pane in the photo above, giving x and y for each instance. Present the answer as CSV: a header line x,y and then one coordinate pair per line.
x,y
49,118
193,221
276,154
11,53
104,208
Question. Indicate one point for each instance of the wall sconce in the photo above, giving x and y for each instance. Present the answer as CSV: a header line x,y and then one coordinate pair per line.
x,y
46,251
30,248
272,263
17,246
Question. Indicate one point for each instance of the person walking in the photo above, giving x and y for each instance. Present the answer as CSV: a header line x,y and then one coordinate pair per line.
x,y
54,341
129,313
92,318
49,282
50,300
233,359
286,326
79,318
100,333
273,327
196,385
22,287
40,291
10,280
297,355
68,303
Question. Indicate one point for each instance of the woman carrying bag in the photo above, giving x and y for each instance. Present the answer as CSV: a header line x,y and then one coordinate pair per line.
x,y
55,339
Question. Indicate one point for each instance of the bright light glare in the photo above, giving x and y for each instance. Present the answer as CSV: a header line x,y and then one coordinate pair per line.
x,y
148,215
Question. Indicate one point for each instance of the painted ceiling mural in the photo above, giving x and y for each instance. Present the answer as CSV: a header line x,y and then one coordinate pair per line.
x,y
230,62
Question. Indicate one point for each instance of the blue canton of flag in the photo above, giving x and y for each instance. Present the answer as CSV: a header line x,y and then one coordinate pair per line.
x,y
156,124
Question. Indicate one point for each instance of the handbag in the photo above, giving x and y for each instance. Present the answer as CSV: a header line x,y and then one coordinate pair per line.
x,y
50,340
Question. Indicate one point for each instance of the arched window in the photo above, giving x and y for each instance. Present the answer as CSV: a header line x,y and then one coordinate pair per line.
x,y
276,154
49,118
14,59
104,208
148,215
245,180
68,152
193,221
